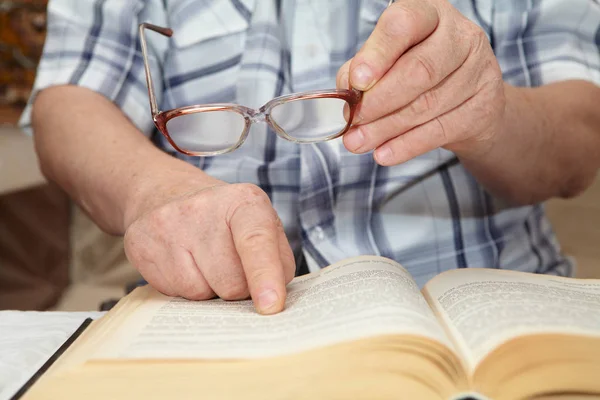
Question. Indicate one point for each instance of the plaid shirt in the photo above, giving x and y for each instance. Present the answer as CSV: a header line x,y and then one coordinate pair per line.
x,y
429,213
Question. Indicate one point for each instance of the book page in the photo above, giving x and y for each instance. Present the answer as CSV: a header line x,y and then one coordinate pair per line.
x,y
28,339
486,307
350,300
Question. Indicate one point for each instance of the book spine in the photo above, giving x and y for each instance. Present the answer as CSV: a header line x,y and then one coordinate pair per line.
x,y
52,359
469,396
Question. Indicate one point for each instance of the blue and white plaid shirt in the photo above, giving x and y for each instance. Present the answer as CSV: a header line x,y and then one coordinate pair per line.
x,y
429,213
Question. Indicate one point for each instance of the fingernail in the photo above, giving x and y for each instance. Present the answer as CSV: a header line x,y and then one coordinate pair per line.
x,y
354,139
267,300
383,156
362,77
346,112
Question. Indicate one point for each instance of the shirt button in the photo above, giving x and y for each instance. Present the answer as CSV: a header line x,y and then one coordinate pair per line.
x,y
318,233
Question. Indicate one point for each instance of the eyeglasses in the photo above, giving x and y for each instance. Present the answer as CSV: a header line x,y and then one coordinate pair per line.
x,y
213,129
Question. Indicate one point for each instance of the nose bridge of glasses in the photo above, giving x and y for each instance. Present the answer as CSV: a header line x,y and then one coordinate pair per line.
x,y
259,115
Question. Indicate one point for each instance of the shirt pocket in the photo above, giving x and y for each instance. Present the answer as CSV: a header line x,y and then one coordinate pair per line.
x,y
194,21
206,49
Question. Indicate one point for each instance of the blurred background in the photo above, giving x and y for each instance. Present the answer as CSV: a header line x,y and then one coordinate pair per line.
x,y
52,257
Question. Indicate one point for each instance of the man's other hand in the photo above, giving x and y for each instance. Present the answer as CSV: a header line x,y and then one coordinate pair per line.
x,y
223,240
430,79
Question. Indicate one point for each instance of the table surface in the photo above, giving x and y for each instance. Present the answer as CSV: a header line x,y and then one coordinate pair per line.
x,y
28,339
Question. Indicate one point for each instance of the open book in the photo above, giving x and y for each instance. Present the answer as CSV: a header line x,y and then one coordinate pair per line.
x,y
359,329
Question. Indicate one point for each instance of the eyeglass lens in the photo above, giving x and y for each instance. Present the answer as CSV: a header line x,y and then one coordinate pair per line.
x,y
206,131
304,120
311,119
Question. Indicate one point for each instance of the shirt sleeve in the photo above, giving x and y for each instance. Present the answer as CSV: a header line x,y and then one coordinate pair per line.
x,y
543,41
95,44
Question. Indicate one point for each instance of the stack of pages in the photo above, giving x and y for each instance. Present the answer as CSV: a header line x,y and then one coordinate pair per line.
x,y
359,329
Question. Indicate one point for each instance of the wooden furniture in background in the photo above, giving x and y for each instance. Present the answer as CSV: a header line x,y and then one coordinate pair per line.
x,y
22,34
34,215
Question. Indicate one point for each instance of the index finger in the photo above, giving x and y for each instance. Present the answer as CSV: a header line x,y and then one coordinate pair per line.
x,y
401,26
256,237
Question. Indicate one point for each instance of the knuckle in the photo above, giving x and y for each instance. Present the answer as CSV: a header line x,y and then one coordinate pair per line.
x,y
252,193
186,206
440,133
252,199
425,68
425,103
278,223
254,238
165,289
130,239
398,124
482,36
397,21
138,246
402,19
160,217
235,290
477,38
194,290
372,105
191,289
134,251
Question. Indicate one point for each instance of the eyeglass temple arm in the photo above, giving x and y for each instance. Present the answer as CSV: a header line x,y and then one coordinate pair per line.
x,y
167,32
164,31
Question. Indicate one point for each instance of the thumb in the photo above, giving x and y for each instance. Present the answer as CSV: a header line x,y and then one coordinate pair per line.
x,y
400,27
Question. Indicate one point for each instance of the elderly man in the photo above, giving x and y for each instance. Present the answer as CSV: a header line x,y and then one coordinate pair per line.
x,y
465,116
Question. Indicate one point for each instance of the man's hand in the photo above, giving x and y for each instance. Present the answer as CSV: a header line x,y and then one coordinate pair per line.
x,y
223,240
430,79
187,233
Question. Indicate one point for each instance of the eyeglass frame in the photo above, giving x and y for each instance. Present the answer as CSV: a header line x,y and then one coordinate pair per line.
x,y
160,118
